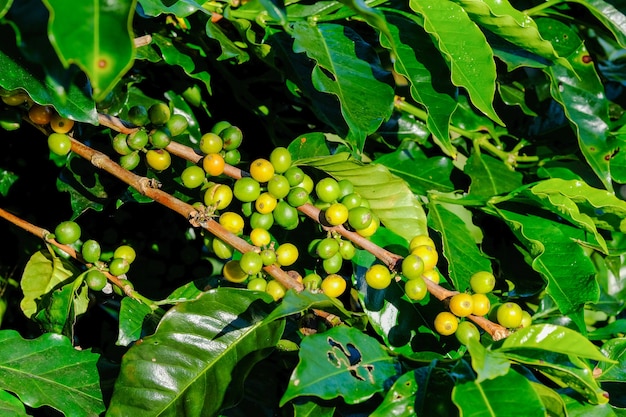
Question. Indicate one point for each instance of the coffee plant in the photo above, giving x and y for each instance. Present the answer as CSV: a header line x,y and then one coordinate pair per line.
x,y
313,208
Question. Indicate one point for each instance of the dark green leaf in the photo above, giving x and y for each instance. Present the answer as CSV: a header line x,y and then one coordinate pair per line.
x,y
348,68
197,352
341,362
5,5
400,399
136,320
49,371
611,14
490,176
312,409
97,36
515,95
298,302
581,93
388,195
498,397
228,47
557,257
417,59
465,48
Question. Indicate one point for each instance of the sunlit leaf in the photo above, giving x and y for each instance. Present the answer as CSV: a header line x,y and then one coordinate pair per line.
x,y
614,349
400,399
298,302
11,406
490,177
341,362
49,371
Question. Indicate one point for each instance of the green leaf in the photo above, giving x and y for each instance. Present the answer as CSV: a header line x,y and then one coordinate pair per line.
x,y
553,338
20,74
490,177
611,14
400,399
581,94
577,408
514,94
498,397
465,48
49,371
501,18
551,400
341,362
557,257
312,409
42,274
5,5
228,47
11,406
389,196
178,8
97,36
136,320
614,349
458,235
433,174
199,348
348,68
488,364
298,302
417,59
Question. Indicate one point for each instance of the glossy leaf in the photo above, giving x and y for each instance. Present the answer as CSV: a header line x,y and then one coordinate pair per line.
x,y
577,408
341,362
562,263
298,302
400,399
553,338
421,174
5,5
614,349
19,74
551,400
612,14
97,36
582,96
195,351
60,308
178,8
497,397
465,48
388,195
460,248
228,48
136,320
488,364
312,409
347,68
11,406
490,177
424,74
58,375
42,274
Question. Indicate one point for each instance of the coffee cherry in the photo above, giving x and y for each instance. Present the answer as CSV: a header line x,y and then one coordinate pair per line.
x,y
346,187
15,99
416,289
467,331
261,221
260,237
130,161
232,157
446,323
527,320
119,266
294,176
266,203
297,197
327,248
232,272
213,164
137,140
352,201
158,159
91,251
336,214
509,315
257,284
193,176
210,143
347,250
482,282
312,281
307,183
360,218
262,170
286,254
246,189
177,124
159,139
333,285
278,186
159,113
222,249
251,263
39,114
482,305
428,254
420,240
268,256
120,144
125,252
232,137
219,196
275,289
371,229
59,144
232,222
432,275
280,159
220,126
412,267
138,115
10,120
461,305
378,277
327,190
67,232
95,280
60,124
286,215
333,264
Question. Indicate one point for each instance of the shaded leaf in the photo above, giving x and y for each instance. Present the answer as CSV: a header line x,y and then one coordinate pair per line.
x,y
577,408
178,8
42,274
58,375
515,95
228,47
459,243
348,68
465,48
388,195
5,5
199,349
490,176
312,409
417,59
614,349
488,364
400,399
562,263
611,14
341,362
498,396
551,400
11,406
136,319
97,36
297,302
